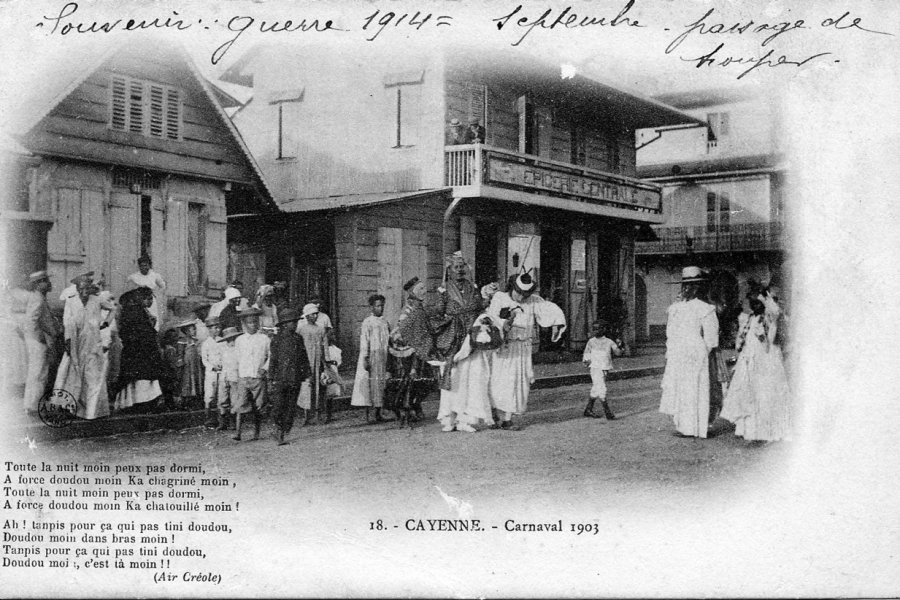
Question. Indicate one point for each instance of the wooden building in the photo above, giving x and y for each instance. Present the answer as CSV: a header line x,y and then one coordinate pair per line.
x,y
136,156
723,189
354,148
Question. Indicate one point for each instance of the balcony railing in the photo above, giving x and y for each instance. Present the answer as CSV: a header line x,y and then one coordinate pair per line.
x,y
471,168
738,238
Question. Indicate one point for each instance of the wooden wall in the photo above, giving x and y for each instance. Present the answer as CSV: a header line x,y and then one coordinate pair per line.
x,y
78,127
378,249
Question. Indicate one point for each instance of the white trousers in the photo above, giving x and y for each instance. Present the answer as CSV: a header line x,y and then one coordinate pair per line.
x,y
36,377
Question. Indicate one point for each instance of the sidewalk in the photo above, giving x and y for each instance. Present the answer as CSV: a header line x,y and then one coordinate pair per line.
x,y
547,375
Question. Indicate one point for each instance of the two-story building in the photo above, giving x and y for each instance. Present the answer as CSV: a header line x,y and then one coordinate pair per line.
x,y
354,148
131,154
723,189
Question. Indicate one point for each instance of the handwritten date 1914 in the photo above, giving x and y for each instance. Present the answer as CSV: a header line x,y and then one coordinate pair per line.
x,y
416,21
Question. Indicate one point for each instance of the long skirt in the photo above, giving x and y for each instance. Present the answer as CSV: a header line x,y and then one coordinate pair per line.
x,y
685,390
137,392
511,376
469,398
87,384
758,400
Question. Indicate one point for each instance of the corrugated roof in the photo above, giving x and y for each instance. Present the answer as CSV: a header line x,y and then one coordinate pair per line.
x,y
353,200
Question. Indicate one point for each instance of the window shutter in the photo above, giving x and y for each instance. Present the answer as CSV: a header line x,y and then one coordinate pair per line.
x,y
173,114
156,111
216,250
119,116
136,107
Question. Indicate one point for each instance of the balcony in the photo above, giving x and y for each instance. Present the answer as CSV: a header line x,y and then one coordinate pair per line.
x,y
479,171
744,237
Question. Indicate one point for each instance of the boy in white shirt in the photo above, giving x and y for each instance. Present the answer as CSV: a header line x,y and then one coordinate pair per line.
x,y
213,379
229,374
252,350
598,355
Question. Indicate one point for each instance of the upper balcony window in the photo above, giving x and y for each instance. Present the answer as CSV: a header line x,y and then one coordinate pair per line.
x,y
145,108
718,212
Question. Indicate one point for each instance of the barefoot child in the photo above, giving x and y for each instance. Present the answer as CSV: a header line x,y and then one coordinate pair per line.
x,y
252,350
371,369
229,374
214,381
598,354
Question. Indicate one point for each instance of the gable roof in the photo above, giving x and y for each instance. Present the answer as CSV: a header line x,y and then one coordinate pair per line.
x,y
26,105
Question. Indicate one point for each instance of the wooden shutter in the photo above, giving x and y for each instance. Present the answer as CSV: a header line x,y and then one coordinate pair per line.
x,y
216,250
93,222
467,242
118,103
124,239
176,247
156,102
390,276
173,114
135,106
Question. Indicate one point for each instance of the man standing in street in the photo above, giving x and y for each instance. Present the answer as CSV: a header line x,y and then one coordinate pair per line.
x,y
40,333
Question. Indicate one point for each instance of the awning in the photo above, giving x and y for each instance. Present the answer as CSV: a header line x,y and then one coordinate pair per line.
x,y
354,200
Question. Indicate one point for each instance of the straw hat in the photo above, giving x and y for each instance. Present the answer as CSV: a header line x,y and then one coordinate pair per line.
x,y
309,309
229,334
691,274
186,323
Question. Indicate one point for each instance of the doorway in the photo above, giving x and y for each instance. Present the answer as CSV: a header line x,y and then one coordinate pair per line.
x,y
554,246
487,238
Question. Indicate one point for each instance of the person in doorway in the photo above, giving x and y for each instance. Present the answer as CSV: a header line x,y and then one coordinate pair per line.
x,y
692,331
598,354
252,350
512,372
39,330
147,277
371,368
288,369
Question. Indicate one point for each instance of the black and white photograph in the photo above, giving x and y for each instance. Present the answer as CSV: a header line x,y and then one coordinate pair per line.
x,y
449,299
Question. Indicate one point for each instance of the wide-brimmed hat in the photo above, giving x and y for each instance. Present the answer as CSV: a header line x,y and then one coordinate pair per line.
x,y
524,283
691,274
186,323
77,278
287,315
38,276
455,123
310,309
410,284
231,293
229,334
250,312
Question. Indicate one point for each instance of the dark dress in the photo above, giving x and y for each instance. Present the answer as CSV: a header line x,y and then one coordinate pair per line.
x,y
288,368
141,355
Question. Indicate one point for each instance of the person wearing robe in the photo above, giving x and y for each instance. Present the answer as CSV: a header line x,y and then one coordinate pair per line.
x,y
315,340
412,344
141,366
228,314
512,372
692,331
148,278
288,369
758,399
39,331
371,367
82,372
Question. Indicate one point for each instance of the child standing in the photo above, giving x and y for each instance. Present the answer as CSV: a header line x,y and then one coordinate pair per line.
x,y
288,368
371,368
190,365
252,351
171,383
229,374
214,381
598,354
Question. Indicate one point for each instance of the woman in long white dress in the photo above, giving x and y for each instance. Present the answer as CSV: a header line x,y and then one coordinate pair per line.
x,y
147,277
758,399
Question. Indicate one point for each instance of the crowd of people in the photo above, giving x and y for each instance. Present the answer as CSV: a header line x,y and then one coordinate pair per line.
x,y
241,361
698,385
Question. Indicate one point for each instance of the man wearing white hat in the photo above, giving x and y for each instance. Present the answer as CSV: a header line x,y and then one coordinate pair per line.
x,y
39,329
692,331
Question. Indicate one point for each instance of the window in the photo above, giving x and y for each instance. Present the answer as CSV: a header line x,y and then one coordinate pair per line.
x,y
578,146
614,159
145,108
718,212
146,226
404,97
719,126
287,105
